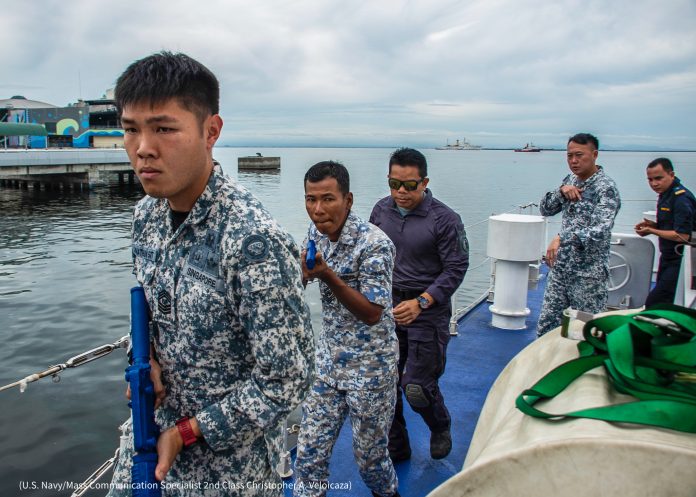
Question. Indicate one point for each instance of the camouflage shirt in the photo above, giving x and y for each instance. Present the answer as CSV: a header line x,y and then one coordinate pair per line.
x,y
231,330
586,227
351,354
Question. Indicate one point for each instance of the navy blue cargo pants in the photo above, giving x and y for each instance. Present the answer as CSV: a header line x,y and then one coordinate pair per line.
x,y
422,359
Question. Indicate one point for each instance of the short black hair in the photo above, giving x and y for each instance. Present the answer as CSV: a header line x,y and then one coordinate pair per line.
x,y
329,169
409,157
163,76
664,162
584,139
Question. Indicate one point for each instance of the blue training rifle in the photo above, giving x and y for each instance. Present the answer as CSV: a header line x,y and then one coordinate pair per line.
x,y
311,254
142,404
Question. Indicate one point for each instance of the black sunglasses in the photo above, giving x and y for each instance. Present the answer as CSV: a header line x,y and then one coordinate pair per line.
x,y
409,184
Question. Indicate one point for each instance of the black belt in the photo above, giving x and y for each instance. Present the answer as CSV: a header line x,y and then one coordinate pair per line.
x,y
406,294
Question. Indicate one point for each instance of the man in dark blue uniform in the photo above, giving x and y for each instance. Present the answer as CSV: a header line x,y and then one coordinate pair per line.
x,y
676,211
432,256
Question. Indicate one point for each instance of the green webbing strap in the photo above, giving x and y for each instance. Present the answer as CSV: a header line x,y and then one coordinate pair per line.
x,y
650,355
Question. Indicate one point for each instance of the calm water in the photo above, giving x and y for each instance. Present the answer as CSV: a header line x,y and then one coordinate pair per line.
x,y
65,279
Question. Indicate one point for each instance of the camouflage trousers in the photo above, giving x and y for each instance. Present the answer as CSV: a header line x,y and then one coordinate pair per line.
x,y
324,412
566,289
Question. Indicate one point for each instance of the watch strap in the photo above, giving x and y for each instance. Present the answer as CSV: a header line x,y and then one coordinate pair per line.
x,y
186,431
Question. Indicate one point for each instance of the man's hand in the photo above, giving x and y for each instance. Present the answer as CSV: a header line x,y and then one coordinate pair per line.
x,y
552,251
156,377
169,444
406,312
320,269
571,193
645,227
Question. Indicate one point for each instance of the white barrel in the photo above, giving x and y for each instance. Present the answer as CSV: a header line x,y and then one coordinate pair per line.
x,y
514,454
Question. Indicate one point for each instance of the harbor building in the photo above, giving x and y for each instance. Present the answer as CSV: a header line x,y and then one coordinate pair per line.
x,y
84,124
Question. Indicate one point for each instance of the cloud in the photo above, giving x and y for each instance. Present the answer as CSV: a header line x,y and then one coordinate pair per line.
x,y
496,71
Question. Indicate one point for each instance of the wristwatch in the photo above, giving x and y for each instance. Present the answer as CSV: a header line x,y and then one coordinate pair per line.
x,y
423,302
186,431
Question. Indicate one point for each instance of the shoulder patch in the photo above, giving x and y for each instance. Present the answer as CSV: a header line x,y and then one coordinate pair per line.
x,y
679,192
255,248
463,242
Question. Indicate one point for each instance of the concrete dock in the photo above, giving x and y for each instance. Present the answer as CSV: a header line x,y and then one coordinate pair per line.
x,y
66,168
258,163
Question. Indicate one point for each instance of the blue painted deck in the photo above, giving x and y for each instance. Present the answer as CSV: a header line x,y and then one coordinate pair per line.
x,y
474,359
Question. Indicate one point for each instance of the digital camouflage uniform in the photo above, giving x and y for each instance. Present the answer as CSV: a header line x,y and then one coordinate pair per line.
x,y
580,276
231,332
356,365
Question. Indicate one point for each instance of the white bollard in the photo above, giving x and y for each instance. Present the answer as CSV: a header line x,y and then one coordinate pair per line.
x,y
514,240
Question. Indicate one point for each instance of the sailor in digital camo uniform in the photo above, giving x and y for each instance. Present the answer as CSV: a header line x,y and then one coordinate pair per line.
x,y
230,328
579,254
357,350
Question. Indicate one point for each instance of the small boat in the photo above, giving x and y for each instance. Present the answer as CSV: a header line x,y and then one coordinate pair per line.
x,y
529,147
460,145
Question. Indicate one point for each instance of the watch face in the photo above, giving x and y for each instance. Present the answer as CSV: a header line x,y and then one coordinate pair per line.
x,y
422,302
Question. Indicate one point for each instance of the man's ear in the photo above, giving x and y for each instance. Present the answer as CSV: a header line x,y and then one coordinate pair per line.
x,y
212,129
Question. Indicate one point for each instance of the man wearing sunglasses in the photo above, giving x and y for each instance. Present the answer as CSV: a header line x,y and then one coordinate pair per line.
x,y
432,256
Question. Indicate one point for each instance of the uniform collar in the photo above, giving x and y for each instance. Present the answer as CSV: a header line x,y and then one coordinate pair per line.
x,y
349,233
205,201
676,185
595,177
199,211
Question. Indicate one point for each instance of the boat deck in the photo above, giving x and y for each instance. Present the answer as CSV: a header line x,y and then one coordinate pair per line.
x,y
474,359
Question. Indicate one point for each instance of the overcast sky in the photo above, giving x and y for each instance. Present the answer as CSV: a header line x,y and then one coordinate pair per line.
x,y
385,72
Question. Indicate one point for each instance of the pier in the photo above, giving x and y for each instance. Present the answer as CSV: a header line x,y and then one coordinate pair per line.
x,y
258,163
52,169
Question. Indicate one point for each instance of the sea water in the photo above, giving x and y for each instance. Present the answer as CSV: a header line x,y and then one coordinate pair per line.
x,y
65,275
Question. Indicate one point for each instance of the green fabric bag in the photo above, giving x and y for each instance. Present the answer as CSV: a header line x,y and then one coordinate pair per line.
x,y
650,355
